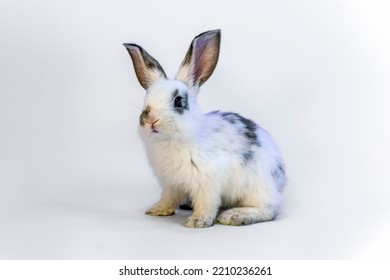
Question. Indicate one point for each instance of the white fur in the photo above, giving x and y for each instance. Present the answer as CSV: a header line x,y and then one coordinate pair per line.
x,y
199,156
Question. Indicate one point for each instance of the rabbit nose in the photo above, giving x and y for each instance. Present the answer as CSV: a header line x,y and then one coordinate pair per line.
x,y
148,116
154,123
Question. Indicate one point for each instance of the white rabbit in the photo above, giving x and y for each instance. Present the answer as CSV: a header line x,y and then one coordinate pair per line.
x,y
218,160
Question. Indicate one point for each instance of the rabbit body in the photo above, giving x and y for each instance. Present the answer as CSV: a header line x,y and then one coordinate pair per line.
x,y
217,160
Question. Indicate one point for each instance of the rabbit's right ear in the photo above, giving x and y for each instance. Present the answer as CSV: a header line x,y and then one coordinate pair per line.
x,y
147,69
200,60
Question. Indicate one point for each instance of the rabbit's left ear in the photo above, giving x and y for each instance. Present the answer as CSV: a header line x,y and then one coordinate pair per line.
x,y
200,60
147,69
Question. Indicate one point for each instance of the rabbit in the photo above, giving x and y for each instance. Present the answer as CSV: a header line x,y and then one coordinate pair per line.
x,y
227,166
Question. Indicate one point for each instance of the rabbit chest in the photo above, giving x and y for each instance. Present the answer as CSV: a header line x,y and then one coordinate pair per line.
x,y
180,164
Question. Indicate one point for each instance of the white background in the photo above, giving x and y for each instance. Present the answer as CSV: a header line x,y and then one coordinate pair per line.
x,y
74,180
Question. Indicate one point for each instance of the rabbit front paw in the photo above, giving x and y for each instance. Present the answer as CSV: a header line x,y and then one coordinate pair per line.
x,y
160,211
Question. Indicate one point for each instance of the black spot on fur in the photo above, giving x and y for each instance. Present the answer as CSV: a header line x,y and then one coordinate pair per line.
x,y
278,172
246,128
144,115
213,112
180,101
248,156
230,117
249,127
175,93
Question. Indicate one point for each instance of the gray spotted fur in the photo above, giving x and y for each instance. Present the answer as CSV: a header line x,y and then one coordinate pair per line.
x,y
247,128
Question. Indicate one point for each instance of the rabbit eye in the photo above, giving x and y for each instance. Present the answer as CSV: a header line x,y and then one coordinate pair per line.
x,y
179,102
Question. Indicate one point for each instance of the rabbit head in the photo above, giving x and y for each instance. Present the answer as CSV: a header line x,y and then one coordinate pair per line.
x,y
170,107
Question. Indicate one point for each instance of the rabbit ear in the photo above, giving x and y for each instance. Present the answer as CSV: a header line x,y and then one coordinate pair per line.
x,y
201,59
147,69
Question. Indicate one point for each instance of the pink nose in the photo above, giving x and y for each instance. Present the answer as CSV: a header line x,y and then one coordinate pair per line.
x,y
154,123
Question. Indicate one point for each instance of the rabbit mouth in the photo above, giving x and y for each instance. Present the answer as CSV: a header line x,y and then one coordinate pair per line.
x,y
153,127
